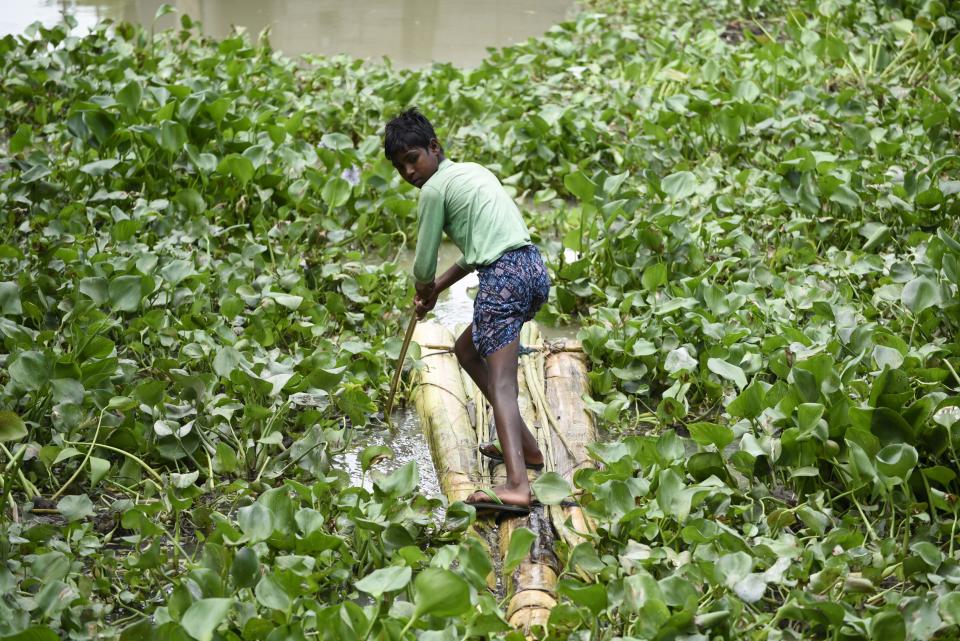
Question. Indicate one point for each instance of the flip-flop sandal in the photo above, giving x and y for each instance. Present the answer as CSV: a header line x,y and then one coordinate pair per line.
x,y
495,504
486,507
535,503
497,458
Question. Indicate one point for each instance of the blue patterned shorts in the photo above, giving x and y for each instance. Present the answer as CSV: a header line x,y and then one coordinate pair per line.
x,y
512,289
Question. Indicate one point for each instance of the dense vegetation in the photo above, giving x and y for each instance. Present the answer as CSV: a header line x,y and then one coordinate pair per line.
x,y
198,306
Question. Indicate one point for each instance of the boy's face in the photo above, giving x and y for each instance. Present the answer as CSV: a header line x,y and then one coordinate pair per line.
x,y
416,164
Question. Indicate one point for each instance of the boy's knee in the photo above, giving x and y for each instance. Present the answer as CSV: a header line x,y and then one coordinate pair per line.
x,y
504,388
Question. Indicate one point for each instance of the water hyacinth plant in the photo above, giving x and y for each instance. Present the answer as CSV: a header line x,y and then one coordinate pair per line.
x,y
751,208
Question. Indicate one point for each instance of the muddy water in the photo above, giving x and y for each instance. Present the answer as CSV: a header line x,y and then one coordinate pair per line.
x,y
411,33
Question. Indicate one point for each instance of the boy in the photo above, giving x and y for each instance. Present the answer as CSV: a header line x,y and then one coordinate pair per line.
x,y
468,202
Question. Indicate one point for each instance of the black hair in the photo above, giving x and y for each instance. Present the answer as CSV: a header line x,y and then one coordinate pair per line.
x,y
409,129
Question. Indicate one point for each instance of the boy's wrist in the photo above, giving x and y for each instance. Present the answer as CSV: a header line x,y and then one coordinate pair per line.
x,y
425,289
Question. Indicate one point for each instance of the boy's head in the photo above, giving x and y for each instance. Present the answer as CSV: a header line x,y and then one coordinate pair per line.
x,y
410,143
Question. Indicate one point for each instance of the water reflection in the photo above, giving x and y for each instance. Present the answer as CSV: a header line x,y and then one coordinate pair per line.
x,y
409,32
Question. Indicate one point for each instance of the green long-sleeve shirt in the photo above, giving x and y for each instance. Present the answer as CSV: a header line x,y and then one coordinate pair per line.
x,y
467,201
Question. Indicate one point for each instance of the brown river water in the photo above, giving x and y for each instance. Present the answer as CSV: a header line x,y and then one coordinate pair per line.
x,y
411,33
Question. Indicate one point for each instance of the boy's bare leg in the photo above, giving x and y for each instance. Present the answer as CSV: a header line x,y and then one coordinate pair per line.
x,y
502,379
478,369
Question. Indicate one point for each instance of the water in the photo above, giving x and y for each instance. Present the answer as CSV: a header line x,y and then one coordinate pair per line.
x,y
411,33
408,444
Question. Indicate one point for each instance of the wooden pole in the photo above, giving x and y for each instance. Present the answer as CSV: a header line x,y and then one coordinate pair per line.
x,y
396,374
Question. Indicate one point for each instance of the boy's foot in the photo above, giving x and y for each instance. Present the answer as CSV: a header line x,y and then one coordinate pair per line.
x,y
501,495
492,451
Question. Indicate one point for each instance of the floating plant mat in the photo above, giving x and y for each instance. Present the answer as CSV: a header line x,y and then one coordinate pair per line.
x,y
757,212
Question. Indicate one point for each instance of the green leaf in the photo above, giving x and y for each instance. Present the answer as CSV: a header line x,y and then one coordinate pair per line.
x,y
336,192
163,10
440,593
34,633
888,625
177,270
940,474
298,190
100,124
402,481
12,427
875,233
98,470
130,95
373,453
734,567
680,185
750,403
845,196
75,507
390,579
580,186
204,616
237,166
100,167
728,371
35,173
520,542
257,154
31,370
808,416
886,424
673,496
226,361
10,299
679,360
21,139
928,552
355,402
271,594
711,433
289,301
919,294
336,141
173,136
121,403
328,378
125,293
654,276
897,460
256,522
703,465
888,357
592,596
206,163
550,488
96,288
245,568
949,606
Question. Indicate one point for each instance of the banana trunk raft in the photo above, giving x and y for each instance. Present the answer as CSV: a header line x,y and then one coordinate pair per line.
x,y
456,419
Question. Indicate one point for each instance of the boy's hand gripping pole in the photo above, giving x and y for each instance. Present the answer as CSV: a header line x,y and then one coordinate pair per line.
x,y
396,374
